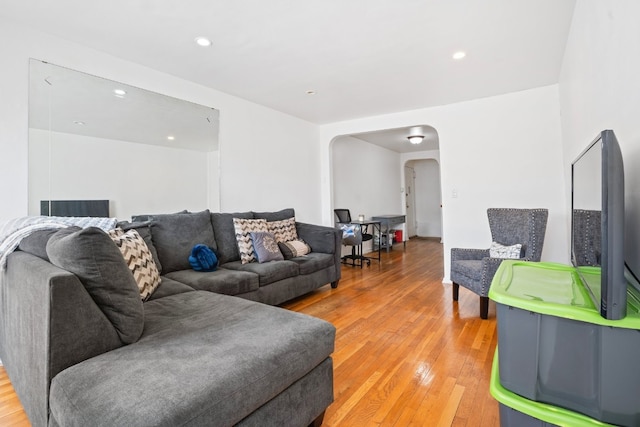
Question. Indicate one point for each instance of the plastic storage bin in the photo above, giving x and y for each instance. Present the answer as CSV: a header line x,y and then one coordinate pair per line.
x,y
555,348
516,411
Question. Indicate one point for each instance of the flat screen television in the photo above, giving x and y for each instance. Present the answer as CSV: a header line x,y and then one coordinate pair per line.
x,y
597,225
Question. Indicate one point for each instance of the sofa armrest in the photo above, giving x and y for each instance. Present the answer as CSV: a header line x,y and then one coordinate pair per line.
x,y
320,238
325,240
460,254
48,323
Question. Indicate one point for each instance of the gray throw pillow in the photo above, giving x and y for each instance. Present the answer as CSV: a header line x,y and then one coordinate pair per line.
x,y
174,235
90,254
265,247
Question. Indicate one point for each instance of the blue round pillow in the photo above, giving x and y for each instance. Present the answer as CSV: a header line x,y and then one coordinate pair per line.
x,y
202,258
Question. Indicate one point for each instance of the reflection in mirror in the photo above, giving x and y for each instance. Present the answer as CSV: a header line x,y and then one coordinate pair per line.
x,y
95,139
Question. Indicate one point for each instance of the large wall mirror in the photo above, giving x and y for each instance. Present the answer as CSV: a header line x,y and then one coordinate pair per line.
x,y
96,139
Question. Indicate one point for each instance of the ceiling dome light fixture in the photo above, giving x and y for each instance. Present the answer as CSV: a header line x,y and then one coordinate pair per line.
x,y
171,137
203,41
459,55
120,93
415,139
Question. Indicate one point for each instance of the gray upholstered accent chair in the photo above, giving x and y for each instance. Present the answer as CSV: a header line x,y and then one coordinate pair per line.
x,y
587,237
474,268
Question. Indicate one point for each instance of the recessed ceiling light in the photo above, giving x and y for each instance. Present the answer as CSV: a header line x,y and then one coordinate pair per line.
x,y
203,41
78,122
459,55
171,137
119,92
415,139
311,92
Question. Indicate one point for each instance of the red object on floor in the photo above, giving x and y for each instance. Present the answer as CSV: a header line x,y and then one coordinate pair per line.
x,y
398,237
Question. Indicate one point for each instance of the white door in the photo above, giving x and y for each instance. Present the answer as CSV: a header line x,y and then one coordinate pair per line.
x,y
410,200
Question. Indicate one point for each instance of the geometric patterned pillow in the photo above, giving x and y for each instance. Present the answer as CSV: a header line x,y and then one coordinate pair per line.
x,y
284,231
500,251
139,259
243,229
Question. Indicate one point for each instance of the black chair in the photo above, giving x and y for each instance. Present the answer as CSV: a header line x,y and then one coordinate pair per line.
x,y
353,234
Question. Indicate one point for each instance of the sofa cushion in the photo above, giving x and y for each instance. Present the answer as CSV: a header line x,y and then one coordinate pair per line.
x,y
284,231
226,236
315,261
139,260
169,287
265,247
149,217
269,272
204,359
275,216
90,254
221,281
174,235
243,228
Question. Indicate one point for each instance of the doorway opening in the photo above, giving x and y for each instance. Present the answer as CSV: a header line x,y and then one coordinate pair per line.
x,y
423,198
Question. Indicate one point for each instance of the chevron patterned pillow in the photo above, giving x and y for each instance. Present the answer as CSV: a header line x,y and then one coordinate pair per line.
x,y
243,229
138,257
284,231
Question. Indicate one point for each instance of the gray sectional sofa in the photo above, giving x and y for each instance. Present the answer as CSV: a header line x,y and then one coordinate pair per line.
x,y
204,350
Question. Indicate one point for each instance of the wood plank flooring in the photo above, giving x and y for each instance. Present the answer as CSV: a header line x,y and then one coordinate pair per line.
x,y
405,354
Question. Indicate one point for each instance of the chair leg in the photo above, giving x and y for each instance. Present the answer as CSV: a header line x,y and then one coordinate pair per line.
x,y
455,288
484,307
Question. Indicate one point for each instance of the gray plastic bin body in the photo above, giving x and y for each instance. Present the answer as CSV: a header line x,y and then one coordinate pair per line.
x,y
587,368
509,417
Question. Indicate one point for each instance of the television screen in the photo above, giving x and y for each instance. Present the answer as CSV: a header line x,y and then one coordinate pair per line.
x,y
597,226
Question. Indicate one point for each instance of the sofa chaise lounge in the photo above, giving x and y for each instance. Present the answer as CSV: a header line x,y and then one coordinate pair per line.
x,y
81,348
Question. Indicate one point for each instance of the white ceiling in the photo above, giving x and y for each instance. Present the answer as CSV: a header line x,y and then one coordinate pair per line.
x,y
362,57
397,139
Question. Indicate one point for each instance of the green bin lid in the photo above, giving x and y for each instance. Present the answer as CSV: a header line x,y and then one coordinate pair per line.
x,y
557,290
542,411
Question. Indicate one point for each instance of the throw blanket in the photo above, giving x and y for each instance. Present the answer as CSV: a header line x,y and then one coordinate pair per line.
x,y
12,232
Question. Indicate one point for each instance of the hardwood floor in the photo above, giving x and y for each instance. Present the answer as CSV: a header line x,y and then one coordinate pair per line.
x,y
405,354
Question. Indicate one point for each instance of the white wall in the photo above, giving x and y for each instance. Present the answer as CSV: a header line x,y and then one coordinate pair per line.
x,y
268,160
365,178
136,178
427,198
502,151
600,89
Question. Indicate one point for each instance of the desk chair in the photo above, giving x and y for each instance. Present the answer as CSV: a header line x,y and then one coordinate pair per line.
x,y
352,235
